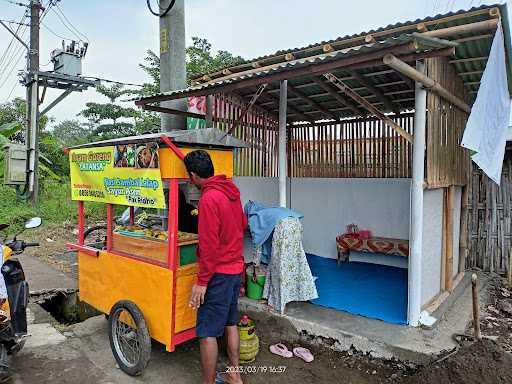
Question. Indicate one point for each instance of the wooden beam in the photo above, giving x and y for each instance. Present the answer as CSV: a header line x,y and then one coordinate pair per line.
x,y
328,48
340,99
421,27
469,59
481,26
388,104
364,103
292,109
369,39
313,103
432,85
406,80
246,108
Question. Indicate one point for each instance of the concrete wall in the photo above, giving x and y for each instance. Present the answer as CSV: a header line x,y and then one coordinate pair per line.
x,y
328,205
432,244
262,189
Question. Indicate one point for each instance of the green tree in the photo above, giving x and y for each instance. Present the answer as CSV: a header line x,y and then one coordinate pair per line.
x,y
200,59
72,132
110,118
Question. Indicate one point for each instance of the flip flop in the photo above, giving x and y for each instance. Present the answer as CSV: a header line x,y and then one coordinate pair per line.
x,y
281,350
219,379
303,354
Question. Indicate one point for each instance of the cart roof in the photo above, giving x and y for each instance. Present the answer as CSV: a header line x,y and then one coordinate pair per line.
x,y
209,137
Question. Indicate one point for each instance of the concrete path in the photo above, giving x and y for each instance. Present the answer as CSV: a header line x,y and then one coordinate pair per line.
x,y
41,276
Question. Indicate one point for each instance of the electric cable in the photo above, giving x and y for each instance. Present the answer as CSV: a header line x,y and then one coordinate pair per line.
x,y
13,40
55,33
66,25
171,5
111,81
59,10
16,3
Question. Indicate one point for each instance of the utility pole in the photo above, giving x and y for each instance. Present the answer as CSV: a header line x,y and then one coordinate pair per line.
x,y
173,73
32,132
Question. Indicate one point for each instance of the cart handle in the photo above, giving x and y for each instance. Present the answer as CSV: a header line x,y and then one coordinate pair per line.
x,y
172,147
83,248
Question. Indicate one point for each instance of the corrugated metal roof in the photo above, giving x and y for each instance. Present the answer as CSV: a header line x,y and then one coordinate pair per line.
x,y
310,60
210,137
400,27
470,61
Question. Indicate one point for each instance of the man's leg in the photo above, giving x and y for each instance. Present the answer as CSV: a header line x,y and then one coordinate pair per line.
x,y
209,352
233,341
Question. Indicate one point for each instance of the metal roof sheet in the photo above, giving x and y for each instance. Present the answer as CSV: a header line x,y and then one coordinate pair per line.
x,y
211,137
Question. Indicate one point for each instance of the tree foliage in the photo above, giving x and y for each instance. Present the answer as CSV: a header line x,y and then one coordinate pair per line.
x,y
200,59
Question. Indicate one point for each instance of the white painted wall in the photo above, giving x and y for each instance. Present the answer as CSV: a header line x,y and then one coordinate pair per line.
x,y
262,189
432,244
328,205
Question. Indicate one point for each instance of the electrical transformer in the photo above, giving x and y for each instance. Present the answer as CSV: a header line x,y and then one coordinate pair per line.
x,y
67,63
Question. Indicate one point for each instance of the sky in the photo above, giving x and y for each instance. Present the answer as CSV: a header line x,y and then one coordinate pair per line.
x,y
121,31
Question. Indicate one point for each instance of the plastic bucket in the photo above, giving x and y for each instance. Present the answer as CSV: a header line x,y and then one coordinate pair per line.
x,y
255,282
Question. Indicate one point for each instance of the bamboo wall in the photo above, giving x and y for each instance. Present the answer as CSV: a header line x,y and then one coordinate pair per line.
x,y
354,148
447,163
490,229
259,129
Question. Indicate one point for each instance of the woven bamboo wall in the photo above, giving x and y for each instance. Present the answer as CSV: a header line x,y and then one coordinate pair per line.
x,y
490,228
447,162
353,148
258,128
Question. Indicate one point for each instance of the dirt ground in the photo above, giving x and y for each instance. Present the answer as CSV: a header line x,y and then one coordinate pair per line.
x,y
484,362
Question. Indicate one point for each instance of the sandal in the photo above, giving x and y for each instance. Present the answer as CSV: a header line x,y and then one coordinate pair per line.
x,y
219,379
281,350
304,354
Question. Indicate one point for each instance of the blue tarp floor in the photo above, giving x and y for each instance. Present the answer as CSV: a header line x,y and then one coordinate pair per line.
x,y
370,290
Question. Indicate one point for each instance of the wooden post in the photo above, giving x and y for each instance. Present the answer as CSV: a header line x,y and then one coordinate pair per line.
x,y
209,111
509,271
450,200
463,241
476,307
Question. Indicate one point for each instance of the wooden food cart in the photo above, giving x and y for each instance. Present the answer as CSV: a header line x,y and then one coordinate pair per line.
x,y
141,276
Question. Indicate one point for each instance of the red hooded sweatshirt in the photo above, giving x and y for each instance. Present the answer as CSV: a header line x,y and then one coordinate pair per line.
x,y
222,223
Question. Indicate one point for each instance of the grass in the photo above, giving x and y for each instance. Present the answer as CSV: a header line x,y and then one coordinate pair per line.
x,y
55,206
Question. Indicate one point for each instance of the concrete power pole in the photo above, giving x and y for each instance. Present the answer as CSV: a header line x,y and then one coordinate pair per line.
x,y
32,132
173,73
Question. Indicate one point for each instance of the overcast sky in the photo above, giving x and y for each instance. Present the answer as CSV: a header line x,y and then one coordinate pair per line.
x,y
120,32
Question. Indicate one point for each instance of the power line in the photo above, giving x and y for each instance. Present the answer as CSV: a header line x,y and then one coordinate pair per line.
x,y
14,22
16,3
68,24
112,81
171,5
55,33
7,50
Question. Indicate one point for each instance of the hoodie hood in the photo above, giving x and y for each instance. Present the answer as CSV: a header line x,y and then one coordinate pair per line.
x,y
224,185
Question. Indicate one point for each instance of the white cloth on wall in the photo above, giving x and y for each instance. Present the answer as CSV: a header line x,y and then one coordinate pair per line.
x,y
288,275
487,126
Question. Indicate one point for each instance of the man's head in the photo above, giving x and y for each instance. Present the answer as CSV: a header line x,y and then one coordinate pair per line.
x,y
199,167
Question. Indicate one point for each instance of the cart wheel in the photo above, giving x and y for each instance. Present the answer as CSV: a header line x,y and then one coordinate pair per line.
x,y
129,337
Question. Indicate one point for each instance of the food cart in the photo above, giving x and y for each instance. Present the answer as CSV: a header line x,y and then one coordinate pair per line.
x,y
142,274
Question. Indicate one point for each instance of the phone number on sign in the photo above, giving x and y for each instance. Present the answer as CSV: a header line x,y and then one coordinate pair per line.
x,y
244,369
90,193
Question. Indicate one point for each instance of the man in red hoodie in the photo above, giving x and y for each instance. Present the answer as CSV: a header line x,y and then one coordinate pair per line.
x,y
220,254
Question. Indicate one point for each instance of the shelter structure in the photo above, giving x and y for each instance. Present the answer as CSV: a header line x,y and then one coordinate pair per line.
x,y
364,129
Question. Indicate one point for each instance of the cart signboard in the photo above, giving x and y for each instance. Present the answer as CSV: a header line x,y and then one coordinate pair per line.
x,y
127,174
